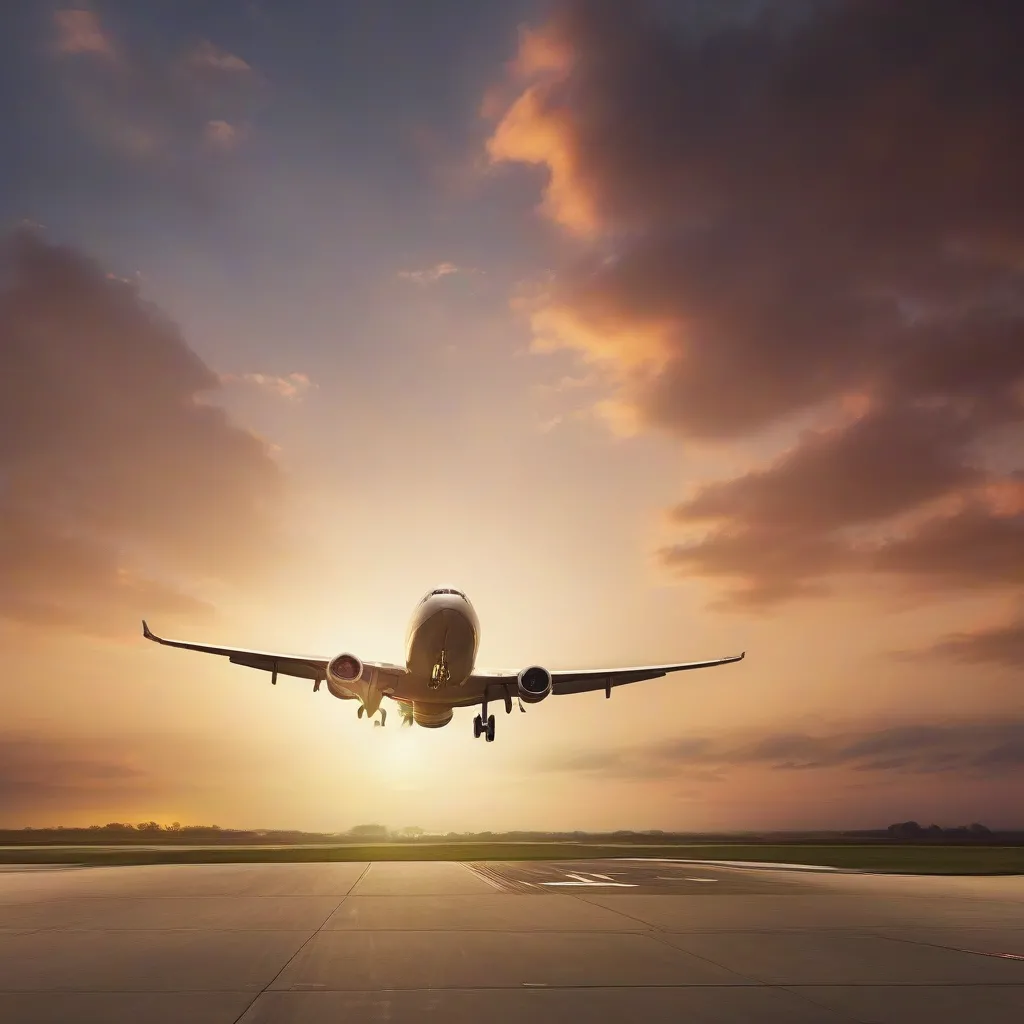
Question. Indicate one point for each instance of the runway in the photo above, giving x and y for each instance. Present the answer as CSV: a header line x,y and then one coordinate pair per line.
x,y
603,941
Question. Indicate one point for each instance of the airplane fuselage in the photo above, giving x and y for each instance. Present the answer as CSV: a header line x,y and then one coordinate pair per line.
x,y
442,642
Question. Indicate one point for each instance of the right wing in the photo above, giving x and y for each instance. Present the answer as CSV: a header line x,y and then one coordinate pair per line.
x,y
300,666
587,679
584,680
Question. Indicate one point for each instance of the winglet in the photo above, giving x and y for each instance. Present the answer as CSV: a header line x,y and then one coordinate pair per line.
x,y
146,631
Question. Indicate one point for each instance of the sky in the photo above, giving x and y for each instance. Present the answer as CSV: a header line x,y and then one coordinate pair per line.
x,y
664,330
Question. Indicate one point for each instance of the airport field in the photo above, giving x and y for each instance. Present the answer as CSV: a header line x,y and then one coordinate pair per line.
x,y
897,858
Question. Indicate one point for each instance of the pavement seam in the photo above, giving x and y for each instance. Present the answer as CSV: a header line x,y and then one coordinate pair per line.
x,y
658,934
309,939
952,949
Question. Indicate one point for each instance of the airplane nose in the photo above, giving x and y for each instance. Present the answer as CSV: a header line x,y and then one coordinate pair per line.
x,y
456,624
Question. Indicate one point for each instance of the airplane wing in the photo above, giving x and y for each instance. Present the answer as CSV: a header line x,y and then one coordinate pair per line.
x,y
584,680
297,665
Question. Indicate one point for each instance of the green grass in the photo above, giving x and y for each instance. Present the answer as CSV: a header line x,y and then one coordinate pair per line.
x,y
887,857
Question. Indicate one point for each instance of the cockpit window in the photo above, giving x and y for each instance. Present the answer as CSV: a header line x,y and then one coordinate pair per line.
x,y
445,590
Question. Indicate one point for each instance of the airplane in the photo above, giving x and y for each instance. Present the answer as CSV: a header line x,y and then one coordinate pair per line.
x,y
438,675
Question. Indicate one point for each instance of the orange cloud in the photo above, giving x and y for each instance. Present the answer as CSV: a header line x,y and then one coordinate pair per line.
x,y
780,232
206,56
290,386
80,32
222,135
431,275
530,133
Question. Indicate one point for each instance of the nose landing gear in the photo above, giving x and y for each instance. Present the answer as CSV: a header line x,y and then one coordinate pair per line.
x,y
440,674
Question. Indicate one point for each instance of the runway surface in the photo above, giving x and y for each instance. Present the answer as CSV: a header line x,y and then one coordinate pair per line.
x,y
603,941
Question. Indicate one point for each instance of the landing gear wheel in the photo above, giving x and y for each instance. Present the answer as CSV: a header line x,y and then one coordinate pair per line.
x,y
359,711
478,727
383,717
490,729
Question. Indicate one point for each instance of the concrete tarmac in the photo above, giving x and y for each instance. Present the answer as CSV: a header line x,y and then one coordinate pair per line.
x,y
602,941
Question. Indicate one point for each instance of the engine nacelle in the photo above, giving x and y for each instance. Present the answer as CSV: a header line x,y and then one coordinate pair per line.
x,y
344,672
534,684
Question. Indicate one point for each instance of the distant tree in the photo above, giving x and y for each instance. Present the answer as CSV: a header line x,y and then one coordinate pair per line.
x,y
905,830
976,828
148,826
175,826
369,832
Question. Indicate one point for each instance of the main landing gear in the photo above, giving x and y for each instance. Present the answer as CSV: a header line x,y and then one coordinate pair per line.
x,y
484,726
361,710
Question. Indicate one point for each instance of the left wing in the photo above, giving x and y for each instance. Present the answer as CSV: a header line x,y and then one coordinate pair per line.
x,y
297,665
584,680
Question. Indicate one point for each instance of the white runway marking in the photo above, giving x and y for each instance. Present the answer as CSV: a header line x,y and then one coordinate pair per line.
x,y
594,880
677,878
762,864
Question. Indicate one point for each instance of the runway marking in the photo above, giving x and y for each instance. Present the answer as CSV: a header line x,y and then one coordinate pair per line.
x,y
1002,956
676,878
582,880
762,864
490,881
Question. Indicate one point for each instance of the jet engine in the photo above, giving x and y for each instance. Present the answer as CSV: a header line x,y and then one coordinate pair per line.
x,y
534,684
343,672
431,717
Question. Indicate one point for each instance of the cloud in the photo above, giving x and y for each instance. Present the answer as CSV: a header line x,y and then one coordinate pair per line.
x,y
777,229
48,780
222,136
45,775
999,645
151,109
121,488
204,56
290,386
431,275
980,748
80,32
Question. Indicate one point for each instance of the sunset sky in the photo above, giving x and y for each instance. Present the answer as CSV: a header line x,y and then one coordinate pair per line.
x,y
664,330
